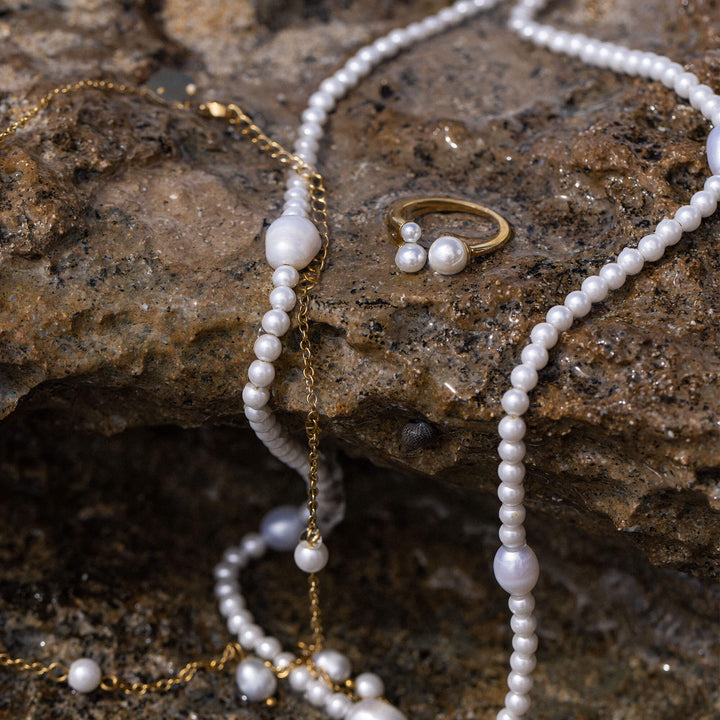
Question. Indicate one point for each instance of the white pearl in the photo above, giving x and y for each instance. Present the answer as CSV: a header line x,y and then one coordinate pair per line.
x,y
505,714
613,275
521,605
253,545
710,107
511,452
521,663
255,680
704,202
651,247
224,571
525,645
261,373
299,678
512,494
713,151
684,83
560,318
317,692
511,428
332,86
235,556
312,130
255,397
699,95
512,515
670,75
338,705
291,241
374,709
283,298
224,588
410,257
358,65
84,675
369,685
519,704
448,255
515,402
578,303
285,276
631,261
523,625
268,347
516,571
314,115
544,334
311,558
518,683
535,356
283,660
258,416
595,288
276,322
268,647
712,185
512,536
669,231
231,605
334,663
321,100
523,377
282,527
237,620
689,218
249,635
512,473
410,232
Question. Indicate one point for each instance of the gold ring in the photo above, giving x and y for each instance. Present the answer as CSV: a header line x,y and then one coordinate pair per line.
x,y
403,211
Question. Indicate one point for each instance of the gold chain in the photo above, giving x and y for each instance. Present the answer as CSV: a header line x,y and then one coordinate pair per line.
x,y
234,115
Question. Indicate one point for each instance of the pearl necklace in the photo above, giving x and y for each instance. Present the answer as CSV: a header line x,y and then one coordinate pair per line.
x,y
292,242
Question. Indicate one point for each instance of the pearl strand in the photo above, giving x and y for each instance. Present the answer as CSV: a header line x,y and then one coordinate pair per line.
x,y
515,565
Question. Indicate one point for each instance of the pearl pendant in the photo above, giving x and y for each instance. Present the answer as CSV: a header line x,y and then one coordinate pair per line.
x,y
374,709
291,240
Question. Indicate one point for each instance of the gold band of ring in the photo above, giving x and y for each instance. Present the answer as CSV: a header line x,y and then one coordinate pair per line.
x,y
404,211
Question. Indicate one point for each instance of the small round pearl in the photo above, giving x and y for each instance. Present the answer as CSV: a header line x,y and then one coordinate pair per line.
x,y
299,678
512,536
513,474
523,625
374,709
261,373
317,692
684,84
712,185
519,704
523,377
315,116
512,515
369,685
525,645
613,275
512,494
255,397
595,288
334,663
283,298
560,318
699,95
255,680
518,683
523,664
631,261
338,705
261,416
713,150
704,202
231,605
511,428
521,604
224,571
448,255
291,241
410,257
578,303
516,571
268,347
515,402
505,714
268,647
84,675
236,621
511,452
689,218
224,588
311,558
283,659
535,356
321,100
544,334
651,247
282,527
276,322
410,232
285,276
249,635
253,545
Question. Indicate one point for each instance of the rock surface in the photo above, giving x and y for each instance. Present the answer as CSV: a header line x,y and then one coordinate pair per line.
x,y
131,266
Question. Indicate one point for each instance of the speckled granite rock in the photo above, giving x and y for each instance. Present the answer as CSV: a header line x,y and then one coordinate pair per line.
x,y
132,280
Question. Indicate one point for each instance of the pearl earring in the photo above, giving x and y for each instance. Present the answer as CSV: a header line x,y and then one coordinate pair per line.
x,y
448,254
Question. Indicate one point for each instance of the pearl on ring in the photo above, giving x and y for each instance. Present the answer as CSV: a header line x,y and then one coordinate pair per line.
x,y
410,257
448,255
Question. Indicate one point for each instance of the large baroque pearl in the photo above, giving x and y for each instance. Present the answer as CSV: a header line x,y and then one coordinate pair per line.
x,y
516,571
291,240
374,709
282,527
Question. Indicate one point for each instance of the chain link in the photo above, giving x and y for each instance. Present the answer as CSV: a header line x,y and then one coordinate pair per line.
x,y
236,117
